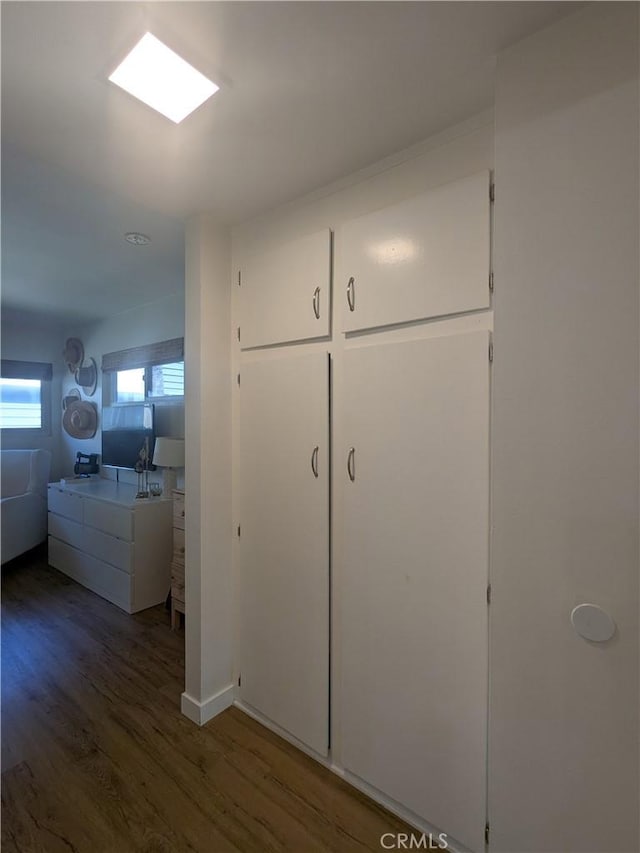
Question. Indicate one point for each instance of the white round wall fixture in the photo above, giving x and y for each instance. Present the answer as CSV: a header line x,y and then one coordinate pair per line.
x,y
593,623
136,238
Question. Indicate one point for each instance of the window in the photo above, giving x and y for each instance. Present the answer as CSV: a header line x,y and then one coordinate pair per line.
x,y
148,383
152,372
130,385
21,403
25,396
167,380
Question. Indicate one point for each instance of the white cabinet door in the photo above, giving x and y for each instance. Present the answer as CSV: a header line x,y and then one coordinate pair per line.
x,y
285,293
284,545
425,257
413,589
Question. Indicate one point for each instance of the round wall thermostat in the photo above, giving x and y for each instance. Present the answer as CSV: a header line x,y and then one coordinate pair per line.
x,y
593,623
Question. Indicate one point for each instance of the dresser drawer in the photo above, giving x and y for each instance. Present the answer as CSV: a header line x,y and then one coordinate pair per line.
x,y
66,530
178,545
177,565
115,520
116,552
65,503
106,548
177,582
101,578
178,510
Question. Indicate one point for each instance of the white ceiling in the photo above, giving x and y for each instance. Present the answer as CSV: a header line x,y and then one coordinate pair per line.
x,y
310,91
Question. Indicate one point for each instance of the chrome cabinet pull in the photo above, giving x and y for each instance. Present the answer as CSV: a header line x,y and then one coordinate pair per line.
x,y
314,461
351,464
351,294
316,302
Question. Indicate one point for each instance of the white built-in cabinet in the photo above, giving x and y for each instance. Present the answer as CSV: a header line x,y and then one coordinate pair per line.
x,y
285,292
284,545
425,257
414,575
409,577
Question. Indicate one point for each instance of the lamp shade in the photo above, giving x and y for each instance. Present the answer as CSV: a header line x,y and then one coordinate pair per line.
x,y
169,453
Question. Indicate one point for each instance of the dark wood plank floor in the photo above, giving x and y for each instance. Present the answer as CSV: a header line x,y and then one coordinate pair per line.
x,y
97,757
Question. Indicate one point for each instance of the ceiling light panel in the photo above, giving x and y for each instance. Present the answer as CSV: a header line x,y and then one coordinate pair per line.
x,y
160,78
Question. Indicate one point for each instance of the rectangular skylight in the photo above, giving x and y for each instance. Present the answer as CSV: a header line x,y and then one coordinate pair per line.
x,y
153,73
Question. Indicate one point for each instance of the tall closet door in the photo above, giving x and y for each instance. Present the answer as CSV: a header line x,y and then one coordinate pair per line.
x,y
284,544
414,610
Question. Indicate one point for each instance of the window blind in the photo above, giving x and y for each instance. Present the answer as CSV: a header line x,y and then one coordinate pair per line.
x,y
26,370
163,352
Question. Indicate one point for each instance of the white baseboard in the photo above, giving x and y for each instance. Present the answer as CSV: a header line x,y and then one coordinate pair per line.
x,y
414,820
419,824
283,733
202,712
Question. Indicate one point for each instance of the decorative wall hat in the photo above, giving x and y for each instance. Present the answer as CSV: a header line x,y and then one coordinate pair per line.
x,y
73,354
80,419
87,377
72,397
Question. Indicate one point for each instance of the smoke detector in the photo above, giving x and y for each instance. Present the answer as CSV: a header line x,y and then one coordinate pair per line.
x,y
137,239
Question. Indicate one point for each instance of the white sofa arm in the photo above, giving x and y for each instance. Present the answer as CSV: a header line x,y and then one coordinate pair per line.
x,y
23,522
39,475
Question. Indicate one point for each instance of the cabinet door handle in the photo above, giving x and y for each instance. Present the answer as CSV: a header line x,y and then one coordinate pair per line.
x,y
314,461
351,464
316,302
351,294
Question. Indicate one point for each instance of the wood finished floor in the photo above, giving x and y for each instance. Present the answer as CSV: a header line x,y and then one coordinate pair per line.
x,y
97,758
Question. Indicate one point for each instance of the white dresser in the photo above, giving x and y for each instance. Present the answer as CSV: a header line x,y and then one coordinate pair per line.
x,y
115,545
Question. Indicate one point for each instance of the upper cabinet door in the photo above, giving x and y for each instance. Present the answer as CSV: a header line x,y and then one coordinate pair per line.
x,y
285,293
425,257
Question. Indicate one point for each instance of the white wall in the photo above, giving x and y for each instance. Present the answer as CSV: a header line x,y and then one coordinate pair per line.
x,y
208,587
157,321
31,337
564,713
459,150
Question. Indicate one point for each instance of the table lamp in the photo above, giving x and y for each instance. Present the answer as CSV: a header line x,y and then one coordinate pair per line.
x,y
168,453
